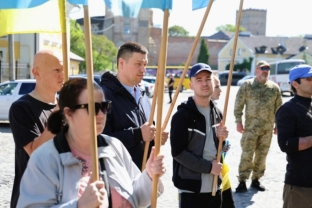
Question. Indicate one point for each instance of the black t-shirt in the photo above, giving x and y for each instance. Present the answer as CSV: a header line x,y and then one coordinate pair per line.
x,y
28,118
171,87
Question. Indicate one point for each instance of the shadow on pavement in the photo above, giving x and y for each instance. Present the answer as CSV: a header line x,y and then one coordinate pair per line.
x,y
244,199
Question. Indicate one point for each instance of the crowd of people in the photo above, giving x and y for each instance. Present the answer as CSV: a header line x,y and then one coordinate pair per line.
x,y
53,164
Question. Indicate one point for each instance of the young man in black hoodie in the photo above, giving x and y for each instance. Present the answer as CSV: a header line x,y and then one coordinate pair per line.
x,y
194,138
128,120
294,134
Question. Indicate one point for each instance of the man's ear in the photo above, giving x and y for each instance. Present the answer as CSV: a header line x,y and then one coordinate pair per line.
x,y
294,84
35,72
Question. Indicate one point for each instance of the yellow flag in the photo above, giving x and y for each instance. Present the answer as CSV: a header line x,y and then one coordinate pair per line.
x,y
45,18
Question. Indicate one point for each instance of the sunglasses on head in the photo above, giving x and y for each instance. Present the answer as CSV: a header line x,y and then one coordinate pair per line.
x,y
265,68
104,106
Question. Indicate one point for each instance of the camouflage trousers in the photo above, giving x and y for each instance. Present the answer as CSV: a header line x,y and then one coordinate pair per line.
x,y
255,144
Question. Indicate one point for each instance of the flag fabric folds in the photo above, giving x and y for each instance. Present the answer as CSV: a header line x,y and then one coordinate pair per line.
x,y
131,8
20,4
43,18
198,4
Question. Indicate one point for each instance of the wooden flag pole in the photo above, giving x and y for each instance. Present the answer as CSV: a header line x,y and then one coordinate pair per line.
x,y
160,96
151,118
64,26
215,178
189,59
90,87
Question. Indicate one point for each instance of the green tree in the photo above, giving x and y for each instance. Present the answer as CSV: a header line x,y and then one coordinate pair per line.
x,y
203,56
178,31
103,50
229,28
245,65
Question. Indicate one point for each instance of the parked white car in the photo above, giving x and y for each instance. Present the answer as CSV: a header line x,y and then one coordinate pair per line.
x,y
148,87
10,91
241,81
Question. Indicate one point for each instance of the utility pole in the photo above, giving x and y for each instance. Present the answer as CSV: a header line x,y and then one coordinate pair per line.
x,y
11,57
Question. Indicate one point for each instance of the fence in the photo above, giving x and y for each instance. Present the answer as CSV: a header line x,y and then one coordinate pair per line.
x,y
22,71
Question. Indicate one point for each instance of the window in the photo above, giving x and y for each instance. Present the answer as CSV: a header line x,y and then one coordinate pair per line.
x,y
127,29
26,88
7,89
284,68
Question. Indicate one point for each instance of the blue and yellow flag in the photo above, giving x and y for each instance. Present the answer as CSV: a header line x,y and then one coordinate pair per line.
x,y
33,16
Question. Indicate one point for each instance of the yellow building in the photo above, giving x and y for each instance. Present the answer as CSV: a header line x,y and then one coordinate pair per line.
x,y
265,48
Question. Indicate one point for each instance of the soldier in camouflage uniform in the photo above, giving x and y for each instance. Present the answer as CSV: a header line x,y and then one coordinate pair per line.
x,y
261,99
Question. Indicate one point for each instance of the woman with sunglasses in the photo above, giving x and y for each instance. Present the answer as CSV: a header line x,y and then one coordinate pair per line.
x,y
58,173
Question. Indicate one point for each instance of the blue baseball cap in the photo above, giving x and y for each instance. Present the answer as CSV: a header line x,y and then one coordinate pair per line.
x,y
198,68
300,71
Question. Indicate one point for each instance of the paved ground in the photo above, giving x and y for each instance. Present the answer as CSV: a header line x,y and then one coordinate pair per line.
x,y
273,179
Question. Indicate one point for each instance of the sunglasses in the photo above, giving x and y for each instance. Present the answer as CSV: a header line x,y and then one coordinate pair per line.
x,y
265,68
105,107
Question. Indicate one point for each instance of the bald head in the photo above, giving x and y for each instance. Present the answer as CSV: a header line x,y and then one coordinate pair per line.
x,y
44,59
48,70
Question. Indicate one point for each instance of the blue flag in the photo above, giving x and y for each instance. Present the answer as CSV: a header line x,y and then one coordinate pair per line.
x,y
198,4
131,8
20,4
27,4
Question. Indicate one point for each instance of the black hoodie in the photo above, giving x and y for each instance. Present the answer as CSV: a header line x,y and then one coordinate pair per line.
x,y
188,137
126,116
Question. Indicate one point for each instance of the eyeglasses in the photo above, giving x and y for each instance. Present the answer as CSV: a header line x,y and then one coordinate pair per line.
x,y
265,68
105,107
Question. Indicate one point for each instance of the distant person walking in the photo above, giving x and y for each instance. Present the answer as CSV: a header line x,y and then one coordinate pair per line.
x,y
261,99
170,87
294,134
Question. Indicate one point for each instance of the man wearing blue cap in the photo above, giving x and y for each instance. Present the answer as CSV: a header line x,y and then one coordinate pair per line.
x,y
294,122
261,98
194,138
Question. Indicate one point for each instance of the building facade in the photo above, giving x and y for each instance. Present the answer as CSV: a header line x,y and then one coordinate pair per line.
x,y
254,20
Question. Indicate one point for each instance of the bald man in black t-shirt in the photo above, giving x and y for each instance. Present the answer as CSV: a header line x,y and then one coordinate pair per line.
x,y
29,114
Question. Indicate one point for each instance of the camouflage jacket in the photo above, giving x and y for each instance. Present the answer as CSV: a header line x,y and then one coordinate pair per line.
x,y
261,101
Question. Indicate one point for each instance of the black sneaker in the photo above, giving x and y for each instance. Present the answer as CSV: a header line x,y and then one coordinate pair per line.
x,y
256,184
241,187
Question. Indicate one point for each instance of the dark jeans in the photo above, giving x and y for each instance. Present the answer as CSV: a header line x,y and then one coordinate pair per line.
x,y
193,200
170,96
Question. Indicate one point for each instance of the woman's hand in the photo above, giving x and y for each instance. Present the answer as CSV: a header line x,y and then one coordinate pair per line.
x,y
94,196
155,165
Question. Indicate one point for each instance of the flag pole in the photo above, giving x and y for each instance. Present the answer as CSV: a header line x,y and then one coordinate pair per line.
x,y
90,87
189,59
160,96
153,107
151,118
215,178
64,27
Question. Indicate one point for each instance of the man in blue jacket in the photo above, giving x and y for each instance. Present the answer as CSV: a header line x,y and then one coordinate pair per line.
x,y
194,138
294,134
128,120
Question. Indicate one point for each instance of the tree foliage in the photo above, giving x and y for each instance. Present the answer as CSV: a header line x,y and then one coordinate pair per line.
x,y
229,28
203,56
244,66
178,31
103,50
